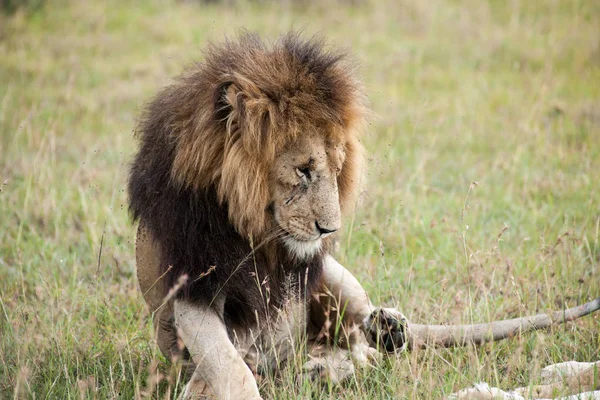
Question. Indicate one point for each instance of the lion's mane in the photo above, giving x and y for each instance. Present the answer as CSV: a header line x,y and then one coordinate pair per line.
x,y
200,180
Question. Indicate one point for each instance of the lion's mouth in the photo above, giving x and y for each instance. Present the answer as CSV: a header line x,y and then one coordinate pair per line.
x,y
298,237
301,246
302,249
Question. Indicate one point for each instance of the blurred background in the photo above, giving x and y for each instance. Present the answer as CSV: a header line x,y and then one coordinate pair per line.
x,y
481,201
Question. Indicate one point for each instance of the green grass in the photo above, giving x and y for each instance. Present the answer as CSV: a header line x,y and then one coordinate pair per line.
x,y
506,94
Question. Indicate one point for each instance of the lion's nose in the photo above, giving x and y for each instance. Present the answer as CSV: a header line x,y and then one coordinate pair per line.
x,y
324,231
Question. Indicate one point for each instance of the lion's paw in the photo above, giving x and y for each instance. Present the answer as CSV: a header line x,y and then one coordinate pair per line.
x,y
385,329
313,370
334,368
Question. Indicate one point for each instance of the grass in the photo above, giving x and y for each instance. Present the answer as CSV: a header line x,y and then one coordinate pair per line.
x,y
504,94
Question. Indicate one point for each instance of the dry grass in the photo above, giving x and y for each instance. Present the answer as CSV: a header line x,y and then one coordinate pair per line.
x,y
502,93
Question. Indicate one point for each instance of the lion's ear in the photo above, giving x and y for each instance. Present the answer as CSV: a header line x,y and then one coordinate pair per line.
x,y
230,98
227,104
246,111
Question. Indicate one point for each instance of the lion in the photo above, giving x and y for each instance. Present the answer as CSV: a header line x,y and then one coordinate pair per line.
x,y
247,163
570,380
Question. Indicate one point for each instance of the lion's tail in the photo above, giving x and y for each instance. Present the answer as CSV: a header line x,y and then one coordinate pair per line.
x,y
460,335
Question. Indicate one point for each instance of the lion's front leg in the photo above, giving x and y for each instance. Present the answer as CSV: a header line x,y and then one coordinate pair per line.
x,y
384,328
221,372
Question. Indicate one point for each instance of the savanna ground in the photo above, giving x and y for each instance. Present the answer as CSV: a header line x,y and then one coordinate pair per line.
x,y
505,94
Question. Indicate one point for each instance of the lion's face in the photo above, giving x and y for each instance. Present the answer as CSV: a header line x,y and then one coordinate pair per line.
x,y
305,198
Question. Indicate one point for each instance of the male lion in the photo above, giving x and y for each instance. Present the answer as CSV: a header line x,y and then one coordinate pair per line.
x,y
247,163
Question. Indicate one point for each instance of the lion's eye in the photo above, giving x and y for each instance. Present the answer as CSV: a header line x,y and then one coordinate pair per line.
x,y
303,173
